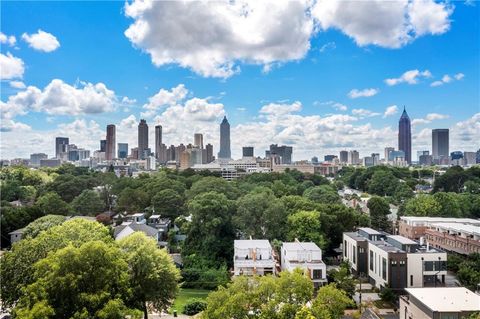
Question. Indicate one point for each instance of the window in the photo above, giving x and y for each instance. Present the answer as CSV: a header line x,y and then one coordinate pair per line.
x,y
393,262
345,247
361,250
317,274
354,253
371,260
411,280
384,269
402,262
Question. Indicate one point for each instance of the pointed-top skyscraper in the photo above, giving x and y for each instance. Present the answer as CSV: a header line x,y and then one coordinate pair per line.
x,y
224,140
405,136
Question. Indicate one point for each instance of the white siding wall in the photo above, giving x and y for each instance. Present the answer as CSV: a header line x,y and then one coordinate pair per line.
x,y
376,273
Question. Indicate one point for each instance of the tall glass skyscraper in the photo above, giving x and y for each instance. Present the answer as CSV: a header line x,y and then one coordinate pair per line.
x,y
110,144
142,139
405,136
440,143
225,140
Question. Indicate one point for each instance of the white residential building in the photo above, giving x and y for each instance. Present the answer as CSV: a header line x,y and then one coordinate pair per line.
x,y
307,256
393,260
438,303
253,256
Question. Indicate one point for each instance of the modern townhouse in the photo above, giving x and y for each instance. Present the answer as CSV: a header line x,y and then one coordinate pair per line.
x,y
253,257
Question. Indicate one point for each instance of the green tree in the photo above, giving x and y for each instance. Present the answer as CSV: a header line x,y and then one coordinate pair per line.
x,y
261,297
16,272
383,183
343,279
150,268
422,205
168,203
449,204
52,204
261,215
210,235
41,224
379,209
403,192
330,303
133,200
27,193
322,194
88,203
77,281
212,184
116,309
305,226
469,271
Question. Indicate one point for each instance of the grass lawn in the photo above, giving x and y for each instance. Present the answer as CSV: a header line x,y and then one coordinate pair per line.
x,y
184,295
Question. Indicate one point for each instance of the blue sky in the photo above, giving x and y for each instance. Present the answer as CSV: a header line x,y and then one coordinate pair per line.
x,y
312,57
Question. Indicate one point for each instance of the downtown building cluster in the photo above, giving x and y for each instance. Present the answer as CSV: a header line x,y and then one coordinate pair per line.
x,y
200,156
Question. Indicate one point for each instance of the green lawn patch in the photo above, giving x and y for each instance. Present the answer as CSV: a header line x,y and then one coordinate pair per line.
x,y
184,295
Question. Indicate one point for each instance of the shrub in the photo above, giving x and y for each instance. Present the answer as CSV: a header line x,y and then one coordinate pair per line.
x,y
194,306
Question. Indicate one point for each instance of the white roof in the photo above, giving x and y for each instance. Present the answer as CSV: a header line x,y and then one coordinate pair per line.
x,y
440,219
447,299
155,216
370,231
403,240
301,246
470,229
251,243
137,214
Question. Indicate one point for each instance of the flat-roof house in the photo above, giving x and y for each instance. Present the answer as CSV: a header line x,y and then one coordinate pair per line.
x,y
438,303
307,256
393,260
253,256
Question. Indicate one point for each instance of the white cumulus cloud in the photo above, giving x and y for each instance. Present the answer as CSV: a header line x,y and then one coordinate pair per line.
x,y
390,24
447,79
11,67
355,93
410,77
7,39
41,41
60,98
212,37
17,84
391,110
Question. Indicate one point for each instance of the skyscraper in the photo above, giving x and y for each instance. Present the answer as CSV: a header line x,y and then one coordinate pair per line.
x,y
247,151
343,156
224,140
285,153
142,138
103,145
387,152
110,144
158,141
209,153
122,150
440,143
198,140
60,145
405,136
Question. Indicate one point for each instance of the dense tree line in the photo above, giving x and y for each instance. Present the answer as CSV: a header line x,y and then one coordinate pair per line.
x,y
275,206
76,270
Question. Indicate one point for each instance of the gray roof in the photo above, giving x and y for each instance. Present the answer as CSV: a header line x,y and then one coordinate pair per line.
x,y
148,230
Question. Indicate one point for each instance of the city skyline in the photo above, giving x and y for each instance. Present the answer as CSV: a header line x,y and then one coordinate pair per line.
x,y
343,91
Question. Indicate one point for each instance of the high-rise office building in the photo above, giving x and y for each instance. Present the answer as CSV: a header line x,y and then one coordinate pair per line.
x,y
469,158
158,141
343,156
209,151
247,151
353,157
142,138
440,143
284,152
329,158
103,145
122,150
198,140
387,152
405,136
37,157
314,160
110,145
61,144
224,152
